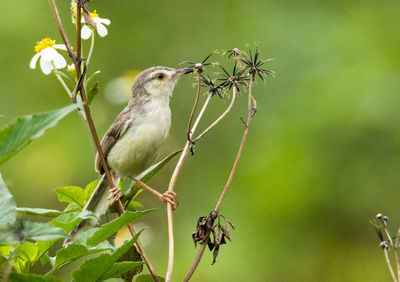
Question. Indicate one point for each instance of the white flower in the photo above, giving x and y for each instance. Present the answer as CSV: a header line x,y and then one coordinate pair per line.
x,y
100,22
49,57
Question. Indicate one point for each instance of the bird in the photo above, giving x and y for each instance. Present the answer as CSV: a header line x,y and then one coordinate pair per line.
x,y
133,141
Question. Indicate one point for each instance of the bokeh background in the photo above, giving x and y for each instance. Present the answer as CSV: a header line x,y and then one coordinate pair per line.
x,y
323,154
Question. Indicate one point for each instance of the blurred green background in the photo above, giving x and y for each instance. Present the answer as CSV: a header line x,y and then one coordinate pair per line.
x,y
323,153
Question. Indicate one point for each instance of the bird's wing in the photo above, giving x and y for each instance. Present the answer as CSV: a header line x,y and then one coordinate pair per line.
x,y
116,130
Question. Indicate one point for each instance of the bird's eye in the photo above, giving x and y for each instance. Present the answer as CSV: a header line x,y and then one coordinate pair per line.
x,y
160,76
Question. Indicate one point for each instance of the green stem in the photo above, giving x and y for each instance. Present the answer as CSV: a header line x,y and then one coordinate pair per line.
x,y
91,48
61,80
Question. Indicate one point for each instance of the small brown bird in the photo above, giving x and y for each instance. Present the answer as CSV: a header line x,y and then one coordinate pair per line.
x,y
134,139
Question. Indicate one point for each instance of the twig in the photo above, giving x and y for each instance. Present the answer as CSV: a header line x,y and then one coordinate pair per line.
x,y
61,29
394,245
217,120
385,251
89,117
251,108
196,101
171,186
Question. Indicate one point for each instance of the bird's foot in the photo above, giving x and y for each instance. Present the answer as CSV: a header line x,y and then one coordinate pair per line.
x,y
115,195
169,197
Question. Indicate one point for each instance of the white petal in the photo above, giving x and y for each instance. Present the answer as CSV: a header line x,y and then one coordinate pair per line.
x,y
59,62
105,21
86,32
96,20
101,29
60,46
45,66
48,54
33,62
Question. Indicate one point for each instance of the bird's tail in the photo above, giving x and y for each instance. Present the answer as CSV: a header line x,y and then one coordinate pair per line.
x,y
97,203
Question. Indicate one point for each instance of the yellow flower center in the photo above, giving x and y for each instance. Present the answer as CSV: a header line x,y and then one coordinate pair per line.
x,y
43,44
94,14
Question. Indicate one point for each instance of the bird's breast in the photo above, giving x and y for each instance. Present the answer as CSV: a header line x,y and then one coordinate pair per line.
x,y
140,145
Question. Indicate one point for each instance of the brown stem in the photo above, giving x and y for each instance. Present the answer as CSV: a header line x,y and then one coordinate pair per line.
x,y
250,115
61,29
89,118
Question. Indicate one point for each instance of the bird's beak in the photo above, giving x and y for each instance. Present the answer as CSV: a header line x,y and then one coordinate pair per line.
x,y
183,71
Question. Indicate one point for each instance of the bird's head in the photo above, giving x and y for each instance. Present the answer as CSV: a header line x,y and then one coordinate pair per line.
x,y
159,81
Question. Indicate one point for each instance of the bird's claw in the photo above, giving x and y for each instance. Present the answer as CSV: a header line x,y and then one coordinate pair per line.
x,y
169,197
115,195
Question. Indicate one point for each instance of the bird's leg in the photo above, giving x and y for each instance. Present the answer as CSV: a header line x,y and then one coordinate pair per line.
x,y
115,192
167,197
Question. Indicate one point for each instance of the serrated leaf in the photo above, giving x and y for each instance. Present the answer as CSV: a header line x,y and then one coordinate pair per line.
x,y
20,132
119,268
148,278
7,204
73,252
19,277
38,211
144,176
94,269
70,194
108,229
67,221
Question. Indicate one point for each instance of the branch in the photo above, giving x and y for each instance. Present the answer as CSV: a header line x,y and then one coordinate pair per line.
x,y
171,186
217,120
89,119
250,115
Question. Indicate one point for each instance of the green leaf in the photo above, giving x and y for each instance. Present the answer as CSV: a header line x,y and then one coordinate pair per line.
x,y
72,208
20,231
19,277
148,278
119,268
63,75
26,255
89,190
20,132
37,211
94,269
7,204
43,231
106,230
93,75
144,176
70,194
67,221
73,252
5,249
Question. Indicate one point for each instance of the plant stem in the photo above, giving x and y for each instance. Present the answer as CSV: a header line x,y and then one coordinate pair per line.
x,y
89,119
250,115
385,250
171,186
91,48
196,101
217,120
